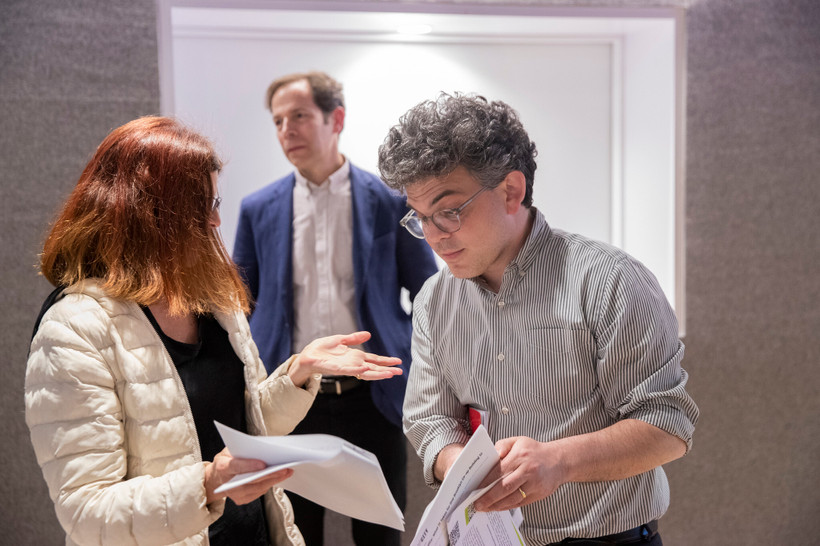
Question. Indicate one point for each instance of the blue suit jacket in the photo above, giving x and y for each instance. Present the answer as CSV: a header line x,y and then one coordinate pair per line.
x,y
386,258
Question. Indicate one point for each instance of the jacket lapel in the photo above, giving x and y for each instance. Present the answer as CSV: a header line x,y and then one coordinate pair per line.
x,y
365,205
281,223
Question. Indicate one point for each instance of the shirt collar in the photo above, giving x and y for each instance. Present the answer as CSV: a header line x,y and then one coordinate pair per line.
x,y
539,232
338,180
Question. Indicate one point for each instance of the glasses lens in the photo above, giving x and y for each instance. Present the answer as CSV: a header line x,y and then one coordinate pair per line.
x,y
447,220
413,225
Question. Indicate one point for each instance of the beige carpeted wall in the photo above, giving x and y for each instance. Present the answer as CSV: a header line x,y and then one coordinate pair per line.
x,y
71,71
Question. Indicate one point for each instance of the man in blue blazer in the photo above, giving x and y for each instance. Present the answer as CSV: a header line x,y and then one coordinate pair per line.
x,y
322,250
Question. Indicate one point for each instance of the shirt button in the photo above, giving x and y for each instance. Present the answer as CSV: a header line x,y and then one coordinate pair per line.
x,y
501,303
505,410
500,356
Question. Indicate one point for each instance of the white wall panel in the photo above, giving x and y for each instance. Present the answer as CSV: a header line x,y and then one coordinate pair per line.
x,y
597,95
562,93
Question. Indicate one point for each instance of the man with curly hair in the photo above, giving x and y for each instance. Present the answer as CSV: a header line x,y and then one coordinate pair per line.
x,y
567,346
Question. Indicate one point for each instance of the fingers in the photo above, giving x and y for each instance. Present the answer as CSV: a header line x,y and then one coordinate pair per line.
x,y
252,491
223,468
508,493
276,477
374,372
356,338
377,375
504,446
379,360
531,471
333,355
378,367
241,466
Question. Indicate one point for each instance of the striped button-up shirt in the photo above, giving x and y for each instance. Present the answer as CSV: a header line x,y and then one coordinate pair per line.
x,y
578,337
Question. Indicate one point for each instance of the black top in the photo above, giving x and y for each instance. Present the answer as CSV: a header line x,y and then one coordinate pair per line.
x,y
214,380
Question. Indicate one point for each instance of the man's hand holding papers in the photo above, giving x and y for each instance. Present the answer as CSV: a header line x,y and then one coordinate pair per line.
x,y
451,519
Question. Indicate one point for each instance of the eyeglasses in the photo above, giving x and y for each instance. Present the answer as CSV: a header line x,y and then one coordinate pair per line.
x,y
446,220
215,204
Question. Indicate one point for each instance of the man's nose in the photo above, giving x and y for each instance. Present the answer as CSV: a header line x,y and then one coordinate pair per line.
x,y
432,233
287,127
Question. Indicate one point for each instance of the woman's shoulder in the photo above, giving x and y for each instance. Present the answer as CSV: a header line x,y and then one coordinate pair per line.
x,y
89,297
86,310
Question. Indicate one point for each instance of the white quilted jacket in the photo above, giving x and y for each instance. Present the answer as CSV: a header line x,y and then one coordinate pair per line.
x,y
113,430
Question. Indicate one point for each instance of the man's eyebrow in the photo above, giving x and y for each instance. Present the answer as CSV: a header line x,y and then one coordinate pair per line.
x,y
436,199
441,196
294,110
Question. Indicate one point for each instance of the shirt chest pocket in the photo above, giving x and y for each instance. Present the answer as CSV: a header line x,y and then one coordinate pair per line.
x,y
559,367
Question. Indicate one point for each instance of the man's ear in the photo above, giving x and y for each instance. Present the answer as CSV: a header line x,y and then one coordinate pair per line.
x,y
338,119
515,187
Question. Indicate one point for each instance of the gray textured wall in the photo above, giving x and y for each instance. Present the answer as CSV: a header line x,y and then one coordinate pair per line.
x,y
72,70
753,258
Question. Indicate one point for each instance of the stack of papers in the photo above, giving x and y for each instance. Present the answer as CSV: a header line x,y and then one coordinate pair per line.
x,y
328,470
451,519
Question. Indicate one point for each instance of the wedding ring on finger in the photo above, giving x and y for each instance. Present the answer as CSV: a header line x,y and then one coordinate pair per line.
x,y
523,495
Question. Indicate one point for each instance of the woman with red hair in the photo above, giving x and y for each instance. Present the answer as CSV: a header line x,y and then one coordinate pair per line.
x,y
148,344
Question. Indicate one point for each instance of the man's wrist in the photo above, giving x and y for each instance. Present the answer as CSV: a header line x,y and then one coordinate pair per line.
x,y
445,459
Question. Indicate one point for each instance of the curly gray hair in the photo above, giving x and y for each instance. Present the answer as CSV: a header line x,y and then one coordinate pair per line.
x,y
435,137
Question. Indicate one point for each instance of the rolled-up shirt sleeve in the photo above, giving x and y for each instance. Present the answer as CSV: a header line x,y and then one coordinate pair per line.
x,y
433,416
639,353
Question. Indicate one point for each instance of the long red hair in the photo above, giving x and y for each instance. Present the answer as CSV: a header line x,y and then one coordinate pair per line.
x,y
138,219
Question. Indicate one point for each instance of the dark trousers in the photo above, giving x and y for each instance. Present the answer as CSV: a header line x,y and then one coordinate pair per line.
x,y
654,541
353,417
643,535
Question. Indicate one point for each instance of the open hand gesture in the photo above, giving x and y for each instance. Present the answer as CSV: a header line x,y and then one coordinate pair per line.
x,y
333,355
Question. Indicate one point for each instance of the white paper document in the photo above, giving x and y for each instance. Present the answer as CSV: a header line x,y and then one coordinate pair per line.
x,y
328,470
451,519
467,527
